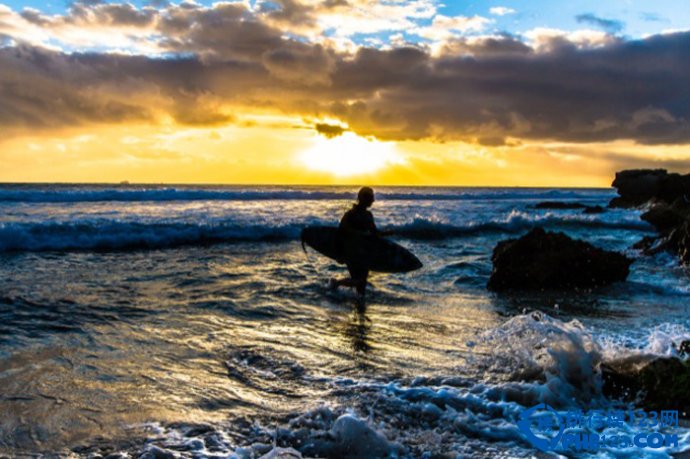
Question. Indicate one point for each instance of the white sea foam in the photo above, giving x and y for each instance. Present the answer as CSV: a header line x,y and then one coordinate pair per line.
x,y
557,364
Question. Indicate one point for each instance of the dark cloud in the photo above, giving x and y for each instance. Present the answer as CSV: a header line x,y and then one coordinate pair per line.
x,y
609,25
290,12
490,46
628,90
487,90
158,3
35,94
95,13
329,130
34,16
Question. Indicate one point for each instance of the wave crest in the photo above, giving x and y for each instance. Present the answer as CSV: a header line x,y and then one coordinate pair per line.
x,y
107,234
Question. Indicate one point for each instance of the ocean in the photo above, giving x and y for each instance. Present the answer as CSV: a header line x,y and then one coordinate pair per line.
x,y
187,320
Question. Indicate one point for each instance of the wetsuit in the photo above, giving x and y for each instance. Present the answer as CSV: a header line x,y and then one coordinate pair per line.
x,y
358,219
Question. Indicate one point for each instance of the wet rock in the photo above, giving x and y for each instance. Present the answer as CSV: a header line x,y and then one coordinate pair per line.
x,y
659,383
648,245
282,453
594,210
354,438
668,198
155,452
679,241
639,186
684,348
663,217
543,260
562,205
559,205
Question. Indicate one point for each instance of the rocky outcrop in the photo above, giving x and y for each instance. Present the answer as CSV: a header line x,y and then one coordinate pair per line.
x,y
668,199
639,186
559,205
543,260
563,205
657,383
664,218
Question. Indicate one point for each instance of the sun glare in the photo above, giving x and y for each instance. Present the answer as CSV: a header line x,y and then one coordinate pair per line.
x,y
349,154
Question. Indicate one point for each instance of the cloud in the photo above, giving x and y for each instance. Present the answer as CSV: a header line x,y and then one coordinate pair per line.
x,y
501,11
329,130
485,46
545,40
216,63
345,18
445,27
609,25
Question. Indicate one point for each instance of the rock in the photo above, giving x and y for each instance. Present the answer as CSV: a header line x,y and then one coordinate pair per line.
x,y
684,348
646,245
679,241
559,205
668,196
663,217
661,383
155,452
543,260
282,453
638,186
562,205
354,438
593,210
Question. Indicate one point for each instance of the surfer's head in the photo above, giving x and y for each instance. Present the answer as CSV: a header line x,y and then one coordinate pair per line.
x,y
365,197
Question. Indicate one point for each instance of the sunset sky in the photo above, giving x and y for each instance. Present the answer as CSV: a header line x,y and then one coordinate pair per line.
x,y
408,92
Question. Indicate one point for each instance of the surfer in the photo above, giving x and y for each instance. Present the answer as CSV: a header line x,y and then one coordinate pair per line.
x,y
358,219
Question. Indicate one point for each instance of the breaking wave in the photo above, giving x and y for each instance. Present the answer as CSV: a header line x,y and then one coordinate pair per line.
x,y
549,361
107,234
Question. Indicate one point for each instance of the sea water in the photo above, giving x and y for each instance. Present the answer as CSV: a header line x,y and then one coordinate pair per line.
x,y
188,320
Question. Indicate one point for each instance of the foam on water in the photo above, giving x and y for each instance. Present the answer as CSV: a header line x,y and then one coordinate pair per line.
x,y
136,232
549,361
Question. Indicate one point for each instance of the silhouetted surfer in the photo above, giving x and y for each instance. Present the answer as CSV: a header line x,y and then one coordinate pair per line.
x,y
357,243
358,219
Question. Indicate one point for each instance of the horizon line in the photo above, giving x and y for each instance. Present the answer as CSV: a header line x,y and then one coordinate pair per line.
x,y
354,185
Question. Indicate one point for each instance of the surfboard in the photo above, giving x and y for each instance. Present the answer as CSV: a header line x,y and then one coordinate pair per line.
x,y
368,251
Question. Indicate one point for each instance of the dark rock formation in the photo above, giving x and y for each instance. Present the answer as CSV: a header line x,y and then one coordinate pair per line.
x,y
543,260
679,241
663,217
593,210
561,205
661,383
668,198
684,348
639,186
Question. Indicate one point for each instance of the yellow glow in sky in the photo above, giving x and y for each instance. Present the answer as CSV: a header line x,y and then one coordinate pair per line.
x,y
349,155
284,151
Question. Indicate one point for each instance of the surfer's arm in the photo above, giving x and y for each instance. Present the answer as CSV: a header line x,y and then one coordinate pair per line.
x,y
375,231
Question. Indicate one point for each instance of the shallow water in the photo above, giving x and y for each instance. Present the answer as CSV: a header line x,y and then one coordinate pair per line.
x,y
190,318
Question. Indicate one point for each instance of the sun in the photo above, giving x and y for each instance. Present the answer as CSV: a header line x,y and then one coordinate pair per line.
x,y
349,155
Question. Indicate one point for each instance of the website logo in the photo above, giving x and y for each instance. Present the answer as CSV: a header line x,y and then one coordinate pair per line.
x,y
550,430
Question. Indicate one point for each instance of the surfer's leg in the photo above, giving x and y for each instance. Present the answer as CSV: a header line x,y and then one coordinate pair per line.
x,y
359,278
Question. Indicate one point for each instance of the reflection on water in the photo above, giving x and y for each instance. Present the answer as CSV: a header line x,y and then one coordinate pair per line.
x,y
95,346
93,343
